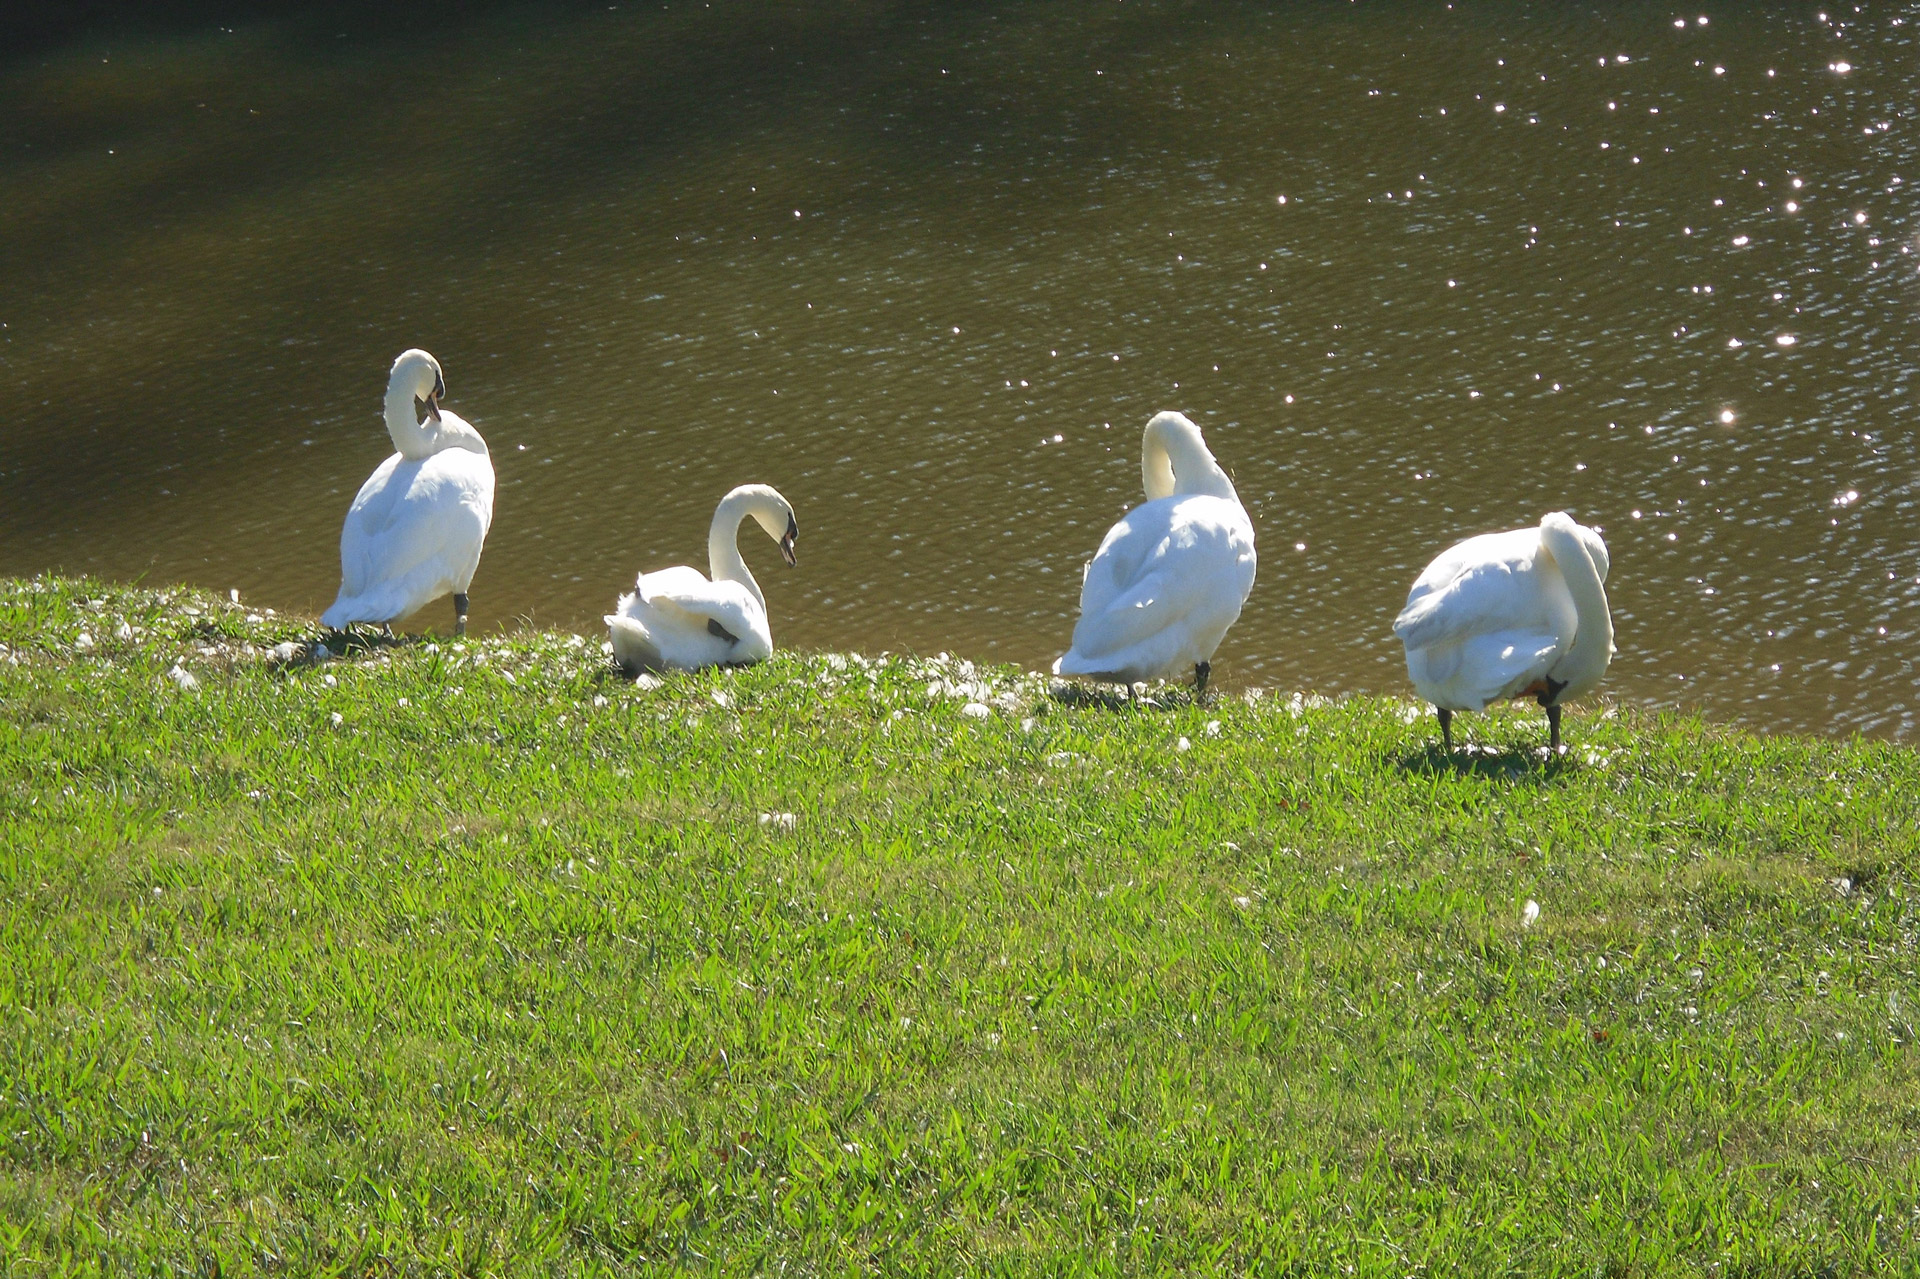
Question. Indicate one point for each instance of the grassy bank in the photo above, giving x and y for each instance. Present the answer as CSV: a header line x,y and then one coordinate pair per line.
x,y
479,958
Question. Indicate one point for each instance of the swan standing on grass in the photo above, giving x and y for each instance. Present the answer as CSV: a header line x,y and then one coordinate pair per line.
x,y
415,529
676,619
1516,614
1172,575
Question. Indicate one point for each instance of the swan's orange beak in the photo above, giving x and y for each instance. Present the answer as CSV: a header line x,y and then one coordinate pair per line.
x,y
786,543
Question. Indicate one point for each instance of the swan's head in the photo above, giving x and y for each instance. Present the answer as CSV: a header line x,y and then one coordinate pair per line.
x,y
774,514
417,376
1589,539
1174,458
1597,549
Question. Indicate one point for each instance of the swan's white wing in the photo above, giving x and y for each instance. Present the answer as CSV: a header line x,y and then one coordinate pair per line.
x,y
688,591
678,620
1486,583
1487,619
413,533
1468,674
1167,582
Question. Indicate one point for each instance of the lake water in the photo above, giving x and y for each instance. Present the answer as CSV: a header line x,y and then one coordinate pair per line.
x,y
1418,272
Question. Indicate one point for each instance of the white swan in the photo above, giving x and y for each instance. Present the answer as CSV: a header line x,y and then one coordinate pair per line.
x,y
676,619
415,529
1172,575
1516,614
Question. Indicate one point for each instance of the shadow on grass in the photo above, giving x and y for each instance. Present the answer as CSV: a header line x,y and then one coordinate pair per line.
x,y
357,641
1116,697
1509,764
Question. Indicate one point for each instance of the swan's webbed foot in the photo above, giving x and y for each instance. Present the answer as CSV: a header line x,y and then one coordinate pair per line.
x,y
460,614
1446,728
1200,672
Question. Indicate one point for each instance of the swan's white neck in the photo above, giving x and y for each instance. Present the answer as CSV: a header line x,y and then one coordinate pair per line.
x,y
724,562
1174,459
412,438
1586,661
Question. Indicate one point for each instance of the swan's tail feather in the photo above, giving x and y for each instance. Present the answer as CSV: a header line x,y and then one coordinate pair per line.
x,y
633,646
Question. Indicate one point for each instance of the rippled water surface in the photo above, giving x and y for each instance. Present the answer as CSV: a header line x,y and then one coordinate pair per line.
x,y
1419,273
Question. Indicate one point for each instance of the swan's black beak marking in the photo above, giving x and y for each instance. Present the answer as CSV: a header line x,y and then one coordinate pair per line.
x,y
786,543
430,407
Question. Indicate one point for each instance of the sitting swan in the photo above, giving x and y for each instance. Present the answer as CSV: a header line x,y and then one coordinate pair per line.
x,y
676,619
1172,575
1516,614
415,529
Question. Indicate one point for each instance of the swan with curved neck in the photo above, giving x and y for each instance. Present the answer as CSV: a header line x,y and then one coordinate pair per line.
x,y
416,528
1172,575
1517,614
679,619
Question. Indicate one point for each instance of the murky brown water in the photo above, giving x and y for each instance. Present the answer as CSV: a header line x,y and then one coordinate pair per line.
x,y
929,269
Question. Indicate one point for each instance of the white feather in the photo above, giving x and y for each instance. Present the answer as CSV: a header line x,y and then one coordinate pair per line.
x,y
1494,616
669,621
1172,575
416,528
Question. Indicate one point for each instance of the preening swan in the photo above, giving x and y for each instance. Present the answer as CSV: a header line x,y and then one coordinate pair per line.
x,y
415,529
676,619
1172,575
1516,614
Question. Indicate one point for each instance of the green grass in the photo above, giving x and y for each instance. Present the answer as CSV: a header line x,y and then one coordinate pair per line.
x,y
481,959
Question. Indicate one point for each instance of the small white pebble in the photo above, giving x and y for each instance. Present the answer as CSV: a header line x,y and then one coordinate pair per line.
x,y
1183,745
508,676
404,702
83,641
123,632
976,710
599,700
1530,913
338,719
181,676
234,594
1213,728
330,681
284,651
432,650
646,683
779,821
1243,902
1026,725
721,700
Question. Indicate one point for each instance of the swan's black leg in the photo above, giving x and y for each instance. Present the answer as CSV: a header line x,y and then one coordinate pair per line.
x,y
1446,728
460,614
1550,700
1200,672
387,628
